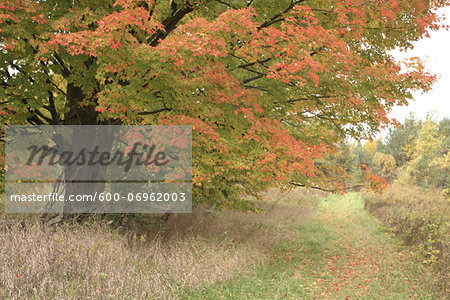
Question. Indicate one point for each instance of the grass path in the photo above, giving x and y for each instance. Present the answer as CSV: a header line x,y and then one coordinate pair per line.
x,y
341,253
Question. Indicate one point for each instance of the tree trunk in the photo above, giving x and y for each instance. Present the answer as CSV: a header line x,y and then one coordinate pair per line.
x,y
84,179
87,179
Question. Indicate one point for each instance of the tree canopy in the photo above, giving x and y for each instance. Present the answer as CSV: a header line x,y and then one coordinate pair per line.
x,y
268,86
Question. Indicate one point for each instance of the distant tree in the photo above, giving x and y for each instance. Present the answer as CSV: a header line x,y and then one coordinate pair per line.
x,y
400,141
361,157
444,133
371,147
429,166
384,165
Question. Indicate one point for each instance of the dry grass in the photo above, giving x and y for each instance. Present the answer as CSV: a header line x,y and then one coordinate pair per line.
x,y
94,260
259,230
421,218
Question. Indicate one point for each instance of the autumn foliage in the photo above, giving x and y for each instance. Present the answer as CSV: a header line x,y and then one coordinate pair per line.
x,y
268,86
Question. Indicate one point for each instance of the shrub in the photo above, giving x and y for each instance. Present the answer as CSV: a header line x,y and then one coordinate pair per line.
x,y
420,217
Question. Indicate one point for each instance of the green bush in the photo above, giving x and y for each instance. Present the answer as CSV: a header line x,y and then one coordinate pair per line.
x,y
420,217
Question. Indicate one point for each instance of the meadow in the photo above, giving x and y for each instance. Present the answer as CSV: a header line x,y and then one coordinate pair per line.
x,y
303,245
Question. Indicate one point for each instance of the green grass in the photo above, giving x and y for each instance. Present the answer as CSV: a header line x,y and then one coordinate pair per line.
x,y
340,253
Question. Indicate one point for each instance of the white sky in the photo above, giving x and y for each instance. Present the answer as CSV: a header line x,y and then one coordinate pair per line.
x,y
435,52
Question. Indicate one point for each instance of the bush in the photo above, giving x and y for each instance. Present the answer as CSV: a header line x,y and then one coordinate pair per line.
x,y
420,218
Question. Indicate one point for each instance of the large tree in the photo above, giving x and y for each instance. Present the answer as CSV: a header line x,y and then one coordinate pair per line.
x,y
269,86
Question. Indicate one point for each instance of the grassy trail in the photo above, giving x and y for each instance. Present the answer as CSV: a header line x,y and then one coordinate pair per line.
x,y
340,253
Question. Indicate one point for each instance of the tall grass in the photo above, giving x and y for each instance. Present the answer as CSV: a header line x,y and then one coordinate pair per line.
x,y
141,258
421,218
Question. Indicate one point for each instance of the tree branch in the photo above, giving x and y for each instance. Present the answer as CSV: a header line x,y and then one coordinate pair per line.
x,y
326,190
255,87
279,17
52,108
56,86
253,78
312,187
261,62
66,71
154,112
170,24
312,98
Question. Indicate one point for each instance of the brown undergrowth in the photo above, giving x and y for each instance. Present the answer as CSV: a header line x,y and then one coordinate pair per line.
x,y
140,257
420,217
